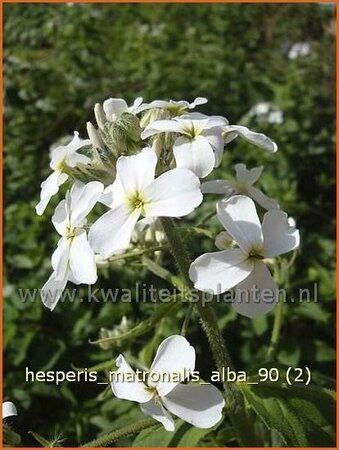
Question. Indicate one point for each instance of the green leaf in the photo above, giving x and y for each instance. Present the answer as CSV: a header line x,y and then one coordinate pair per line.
x,y
185,435
155,436
303,415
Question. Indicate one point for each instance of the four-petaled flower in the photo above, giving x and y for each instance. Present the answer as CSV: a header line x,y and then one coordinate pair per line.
x,y
199,405
73,259
199,146
242,185
244,267
136,192
62,158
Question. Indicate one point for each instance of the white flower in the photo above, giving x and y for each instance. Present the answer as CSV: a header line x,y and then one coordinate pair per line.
x,y
300,49
171,105
267,110
199,405
73,259
61,158
244,266
135,192
199,146
114,107
243,185
8,410
258,139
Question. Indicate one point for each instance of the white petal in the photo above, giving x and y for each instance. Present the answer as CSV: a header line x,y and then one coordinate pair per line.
x,y
257,294
174,194
114,107
136,172
83,199
113,231
218,272
279,236
52,291
262,199
50,187
217,187
137,106
199,405
159,413
82,260
248,177
196,155
125,384
60,258
175,357
60,218
8,409
161,126
259,139
198,101
239,217
215,139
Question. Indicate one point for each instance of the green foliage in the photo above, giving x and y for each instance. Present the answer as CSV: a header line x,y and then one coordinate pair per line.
x,y
59,60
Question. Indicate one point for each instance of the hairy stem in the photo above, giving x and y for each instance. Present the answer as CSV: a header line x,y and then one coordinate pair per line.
x,y
123,432
233,398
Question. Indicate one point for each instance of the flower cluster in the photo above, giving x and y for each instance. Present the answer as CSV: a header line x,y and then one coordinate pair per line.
x,y
144,162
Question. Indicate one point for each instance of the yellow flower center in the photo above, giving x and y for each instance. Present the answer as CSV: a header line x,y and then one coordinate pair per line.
x,y
137,201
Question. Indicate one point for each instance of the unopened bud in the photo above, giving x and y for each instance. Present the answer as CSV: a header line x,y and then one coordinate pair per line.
x,y
152,115
94,136
99,115
223,240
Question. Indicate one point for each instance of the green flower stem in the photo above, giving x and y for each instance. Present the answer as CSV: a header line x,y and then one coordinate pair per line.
x,y
275,337
187,319
121,433
234,400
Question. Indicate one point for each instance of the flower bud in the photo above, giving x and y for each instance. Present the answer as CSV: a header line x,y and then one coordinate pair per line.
x,y
94,136
99,115
123,137
152,115
223,240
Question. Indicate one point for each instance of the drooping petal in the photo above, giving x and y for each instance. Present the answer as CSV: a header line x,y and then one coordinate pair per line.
x,y
50,187
262,199
159,413
199,405
174,194
239,217
258,139
60,218
161,126
113,231
279,236
83,199
8,409
175,357
218,187
220,271
82,260
126,385
196,155
60,258
52,291
135,173
248,176
257,294
114,107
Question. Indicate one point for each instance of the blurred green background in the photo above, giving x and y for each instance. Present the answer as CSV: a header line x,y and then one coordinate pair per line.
x,y
59,60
